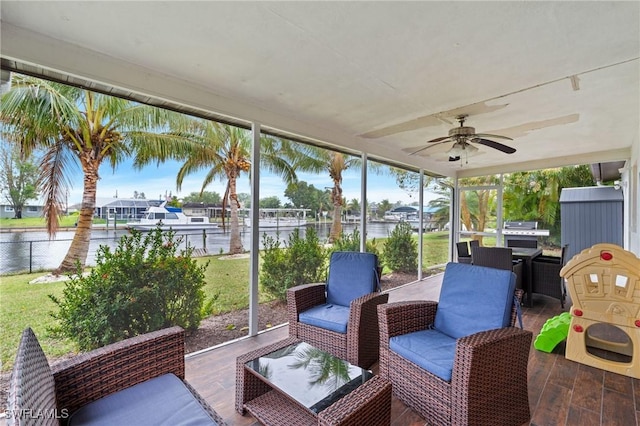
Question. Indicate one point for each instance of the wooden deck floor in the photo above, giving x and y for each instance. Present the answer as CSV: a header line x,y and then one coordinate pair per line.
x,y
561,392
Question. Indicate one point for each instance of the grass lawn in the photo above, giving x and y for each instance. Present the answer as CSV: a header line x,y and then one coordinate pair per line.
x,y
35,222
28,305
39,222
435,248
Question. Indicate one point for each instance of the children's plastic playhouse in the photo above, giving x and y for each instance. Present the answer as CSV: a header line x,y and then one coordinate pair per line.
x,y
604,284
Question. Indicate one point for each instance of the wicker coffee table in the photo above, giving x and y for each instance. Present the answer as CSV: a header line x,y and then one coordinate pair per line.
x,y
292,383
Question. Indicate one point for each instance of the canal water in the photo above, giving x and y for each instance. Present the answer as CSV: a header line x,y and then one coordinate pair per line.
x,y
33,251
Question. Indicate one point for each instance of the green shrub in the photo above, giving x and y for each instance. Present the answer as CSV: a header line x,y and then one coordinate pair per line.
x,y
351,242
400,251
141,286
302,261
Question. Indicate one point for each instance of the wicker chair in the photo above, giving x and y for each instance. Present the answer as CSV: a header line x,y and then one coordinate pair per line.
x,y
142,377
500,258
464,255
478,375
522,243
546,276
340,317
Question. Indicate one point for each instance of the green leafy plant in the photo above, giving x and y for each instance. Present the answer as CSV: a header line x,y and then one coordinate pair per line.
x,y
351,242
302,261
400,252
143,285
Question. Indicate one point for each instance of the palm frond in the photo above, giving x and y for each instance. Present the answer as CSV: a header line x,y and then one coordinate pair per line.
x,y
160,147
53,182
36,112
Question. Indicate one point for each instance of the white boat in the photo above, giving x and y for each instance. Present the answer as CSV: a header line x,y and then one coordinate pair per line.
x,y
280,218
167,219
392,217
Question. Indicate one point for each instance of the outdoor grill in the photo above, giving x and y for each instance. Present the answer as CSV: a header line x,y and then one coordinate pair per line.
x,y
523,231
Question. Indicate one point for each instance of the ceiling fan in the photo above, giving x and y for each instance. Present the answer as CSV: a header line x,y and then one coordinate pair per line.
x,y
463,137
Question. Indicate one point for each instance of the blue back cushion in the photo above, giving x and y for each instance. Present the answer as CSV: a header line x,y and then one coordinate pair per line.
x,y
473,299
351,275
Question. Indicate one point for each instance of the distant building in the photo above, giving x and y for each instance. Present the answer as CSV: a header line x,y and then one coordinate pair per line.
x,y
123,208
401,213
6,211
411,214
202,209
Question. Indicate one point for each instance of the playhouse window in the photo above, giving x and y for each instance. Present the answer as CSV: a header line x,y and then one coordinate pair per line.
x,y
621,283
593,283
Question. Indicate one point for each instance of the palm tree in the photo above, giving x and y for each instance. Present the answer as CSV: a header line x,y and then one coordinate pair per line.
x,y
224,152
75,127
383,207
315,159
354,206
441,205
477,206
336,163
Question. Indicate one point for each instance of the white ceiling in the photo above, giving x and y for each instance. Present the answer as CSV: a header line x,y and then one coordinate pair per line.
x,y
561,78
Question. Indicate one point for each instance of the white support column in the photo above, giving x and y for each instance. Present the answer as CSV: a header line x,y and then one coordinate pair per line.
x,y
627,224
454,218
363,204
255,230
500,222
420,223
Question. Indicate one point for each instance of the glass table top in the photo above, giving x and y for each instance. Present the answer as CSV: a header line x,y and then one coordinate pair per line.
x,y
314,378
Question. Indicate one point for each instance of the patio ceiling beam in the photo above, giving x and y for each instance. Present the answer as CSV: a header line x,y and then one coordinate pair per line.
x,y
623,154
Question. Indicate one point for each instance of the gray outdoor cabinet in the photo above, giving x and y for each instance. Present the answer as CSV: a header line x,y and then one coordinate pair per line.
x,y
589,216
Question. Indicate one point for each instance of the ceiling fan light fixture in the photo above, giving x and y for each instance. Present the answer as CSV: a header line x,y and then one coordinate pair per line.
x,y
460,149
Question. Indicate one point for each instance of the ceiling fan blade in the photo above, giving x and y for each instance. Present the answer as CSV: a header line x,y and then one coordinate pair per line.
x,y
487,135
438,139
427,146
454,158
495,145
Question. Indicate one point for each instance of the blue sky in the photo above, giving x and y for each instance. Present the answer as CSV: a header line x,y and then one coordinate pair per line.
x,y
155,181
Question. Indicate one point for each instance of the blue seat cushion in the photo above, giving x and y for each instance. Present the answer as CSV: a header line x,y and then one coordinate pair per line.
x,y
351,275
161,400
473,299
428,349
328,316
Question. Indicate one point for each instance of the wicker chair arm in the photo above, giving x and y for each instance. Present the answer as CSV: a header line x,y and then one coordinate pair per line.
x,y
363,310
366,302
302,297
491,339
363,338
405,317
496,359
103,371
